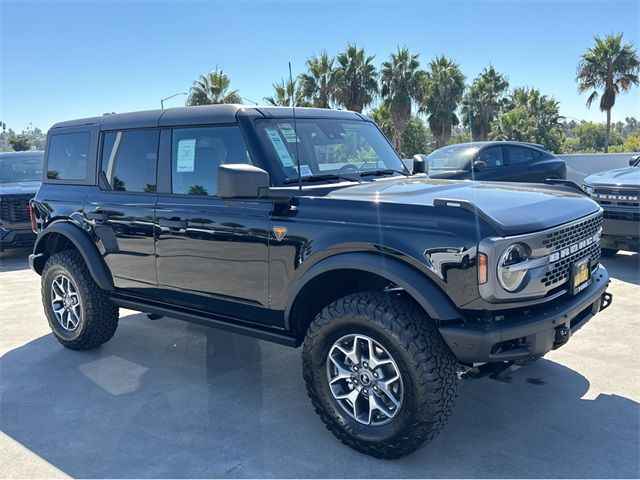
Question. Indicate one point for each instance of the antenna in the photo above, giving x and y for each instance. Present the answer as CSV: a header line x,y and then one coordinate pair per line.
x,y
292,102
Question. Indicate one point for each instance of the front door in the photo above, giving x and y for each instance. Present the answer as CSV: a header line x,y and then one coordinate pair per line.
x,y
212,254
121,210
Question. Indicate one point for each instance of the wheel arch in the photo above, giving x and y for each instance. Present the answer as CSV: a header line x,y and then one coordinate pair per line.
x,y
61,235
373,269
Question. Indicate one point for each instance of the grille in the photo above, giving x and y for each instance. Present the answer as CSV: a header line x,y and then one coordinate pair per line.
x,y
611,196
564,237
628,216
15,208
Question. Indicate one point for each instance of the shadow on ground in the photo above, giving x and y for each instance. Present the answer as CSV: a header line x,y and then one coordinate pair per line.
x,y
624,266
167,399
14,259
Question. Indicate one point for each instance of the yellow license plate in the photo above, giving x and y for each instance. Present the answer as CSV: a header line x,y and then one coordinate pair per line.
x,y
581,275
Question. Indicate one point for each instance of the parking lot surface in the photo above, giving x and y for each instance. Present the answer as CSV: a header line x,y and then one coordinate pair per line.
x,y
170,399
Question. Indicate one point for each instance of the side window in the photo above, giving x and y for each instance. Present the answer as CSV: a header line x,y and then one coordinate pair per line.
x,y
196,154
129,160
492,156
67,156
520,155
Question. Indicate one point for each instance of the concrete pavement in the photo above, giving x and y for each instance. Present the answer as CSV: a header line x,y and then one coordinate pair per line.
x,y
169,399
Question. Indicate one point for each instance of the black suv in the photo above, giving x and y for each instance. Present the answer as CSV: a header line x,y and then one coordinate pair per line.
x,y
496,161
20,176
306,229
618,192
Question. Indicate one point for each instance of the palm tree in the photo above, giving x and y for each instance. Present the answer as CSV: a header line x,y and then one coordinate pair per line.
x,y
402,83
444,86
355,79
284,91
611,67
212,89
317,84
482,103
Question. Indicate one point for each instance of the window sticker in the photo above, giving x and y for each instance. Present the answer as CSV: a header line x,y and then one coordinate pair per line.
x,y
186,155
305,171
288,132
281,148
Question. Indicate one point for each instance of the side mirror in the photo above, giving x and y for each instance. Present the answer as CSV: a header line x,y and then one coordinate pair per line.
x,y
240,180
633,160
420,164
479,165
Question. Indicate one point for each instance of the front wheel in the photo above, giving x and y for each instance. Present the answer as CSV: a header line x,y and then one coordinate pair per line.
x,y
379,374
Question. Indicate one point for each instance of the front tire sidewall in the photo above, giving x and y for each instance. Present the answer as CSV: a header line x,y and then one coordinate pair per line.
x,y
318,358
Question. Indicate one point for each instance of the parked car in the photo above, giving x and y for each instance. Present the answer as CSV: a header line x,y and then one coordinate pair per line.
x,y
496,161
20,178
308,230
618,193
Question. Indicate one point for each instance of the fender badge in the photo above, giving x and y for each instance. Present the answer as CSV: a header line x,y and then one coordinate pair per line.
x,y
279,232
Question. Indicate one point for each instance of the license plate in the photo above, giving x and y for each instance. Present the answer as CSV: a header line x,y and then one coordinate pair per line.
x,y
581,277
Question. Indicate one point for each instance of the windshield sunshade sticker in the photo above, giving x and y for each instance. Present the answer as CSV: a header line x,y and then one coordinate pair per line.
x,y
186,155
281,148
288,132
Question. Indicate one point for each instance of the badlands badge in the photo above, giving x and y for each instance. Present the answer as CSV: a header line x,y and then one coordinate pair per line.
x,y
279,232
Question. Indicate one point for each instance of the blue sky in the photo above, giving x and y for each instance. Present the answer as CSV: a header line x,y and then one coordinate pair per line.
x,y
63,60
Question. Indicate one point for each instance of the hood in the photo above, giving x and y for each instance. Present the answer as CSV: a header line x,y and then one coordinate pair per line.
x,y
513,208
620,177
19,188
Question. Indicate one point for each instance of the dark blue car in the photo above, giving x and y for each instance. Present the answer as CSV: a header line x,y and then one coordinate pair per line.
x,y
496,161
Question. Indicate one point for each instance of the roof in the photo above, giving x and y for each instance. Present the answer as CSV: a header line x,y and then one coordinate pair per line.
x,y
496,142
205,114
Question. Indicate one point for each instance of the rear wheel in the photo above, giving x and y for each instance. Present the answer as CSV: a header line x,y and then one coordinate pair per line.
x,y
379,374
80,314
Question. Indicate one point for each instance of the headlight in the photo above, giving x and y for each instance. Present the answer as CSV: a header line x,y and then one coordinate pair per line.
x,y
587,188
513,266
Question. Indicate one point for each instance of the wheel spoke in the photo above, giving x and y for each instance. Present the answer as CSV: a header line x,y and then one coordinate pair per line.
x,y
343,373
375,404
385,387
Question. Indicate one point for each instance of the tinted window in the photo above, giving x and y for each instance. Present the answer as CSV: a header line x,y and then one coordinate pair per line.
x,y
492,156
129,160
521,155
20,167
196,154
68,155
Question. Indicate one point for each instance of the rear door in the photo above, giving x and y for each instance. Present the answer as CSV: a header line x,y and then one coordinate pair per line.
x,y
212,254
121,209
522,164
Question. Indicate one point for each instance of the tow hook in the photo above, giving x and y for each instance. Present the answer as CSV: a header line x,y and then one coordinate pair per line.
x,y
562,336
605,300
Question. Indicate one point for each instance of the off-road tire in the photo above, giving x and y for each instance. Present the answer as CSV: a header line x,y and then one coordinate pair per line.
x,y
427,366
99,317
609,252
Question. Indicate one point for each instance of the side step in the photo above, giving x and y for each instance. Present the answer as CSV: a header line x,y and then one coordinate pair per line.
x,y
222,323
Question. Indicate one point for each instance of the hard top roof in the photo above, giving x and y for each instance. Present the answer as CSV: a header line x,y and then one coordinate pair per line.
x,y
205,114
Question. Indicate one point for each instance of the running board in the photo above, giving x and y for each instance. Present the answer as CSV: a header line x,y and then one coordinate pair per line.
x,y
214,322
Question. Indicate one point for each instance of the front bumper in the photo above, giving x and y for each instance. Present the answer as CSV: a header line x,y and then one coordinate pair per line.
x,y
530,334
16,238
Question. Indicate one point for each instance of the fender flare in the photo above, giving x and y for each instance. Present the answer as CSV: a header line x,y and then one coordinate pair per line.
x,y
83,244
417,285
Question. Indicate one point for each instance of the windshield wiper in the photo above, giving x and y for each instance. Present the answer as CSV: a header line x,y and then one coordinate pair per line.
x,y
324,176
384,171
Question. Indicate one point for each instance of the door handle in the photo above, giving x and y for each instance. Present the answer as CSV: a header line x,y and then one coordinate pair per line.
x,y
97,215
174,222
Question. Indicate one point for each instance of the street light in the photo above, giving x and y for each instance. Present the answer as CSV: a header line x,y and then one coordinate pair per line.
x,y
174,95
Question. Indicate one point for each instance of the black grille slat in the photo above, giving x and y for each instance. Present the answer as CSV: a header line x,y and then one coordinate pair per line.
x,y
15,208
565,237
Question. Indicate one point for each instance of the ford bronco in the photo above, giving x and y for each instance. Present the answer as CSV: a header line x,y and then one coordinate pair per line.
x,y
304,228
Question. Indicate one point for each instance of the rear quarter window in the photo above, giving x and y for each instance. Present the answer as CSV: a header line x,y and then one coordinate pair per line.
x,y
67,157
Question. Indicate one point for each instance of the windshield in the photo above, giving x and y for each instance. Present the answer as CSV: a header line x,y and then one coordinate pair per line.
x,y
454,157
21,167
328,147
